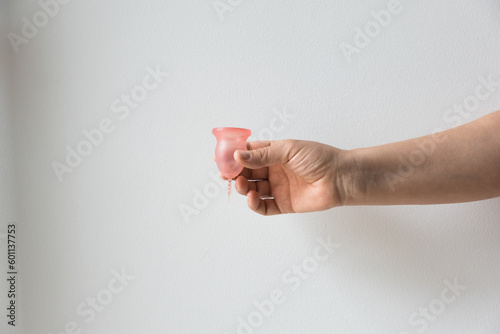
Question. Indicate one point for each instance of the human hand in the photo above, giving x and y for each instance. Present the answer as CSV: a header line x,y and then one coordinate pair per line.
x,y
292,176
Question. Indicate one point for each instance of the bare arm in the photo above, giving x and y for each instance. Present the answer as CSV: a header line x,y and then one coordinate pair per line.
x,y
458,165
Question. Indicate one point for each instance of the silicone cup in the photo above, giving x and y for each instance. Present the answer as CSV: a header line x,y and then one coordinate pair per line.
x,y
228,141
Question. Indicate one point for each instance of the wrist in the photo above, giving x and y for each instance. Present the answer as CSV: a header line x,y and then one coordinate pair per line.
x,y
350,180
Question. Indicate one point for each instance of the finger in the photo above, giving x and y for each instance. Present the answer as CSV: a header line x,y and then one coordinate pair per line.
x,y
252,174
264,207
247,173
260,173
255,174
276,153
243,186
263,188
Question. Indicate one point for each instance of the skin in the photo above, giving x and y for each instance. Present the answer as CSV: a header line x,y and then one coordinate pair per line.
x,y
458,165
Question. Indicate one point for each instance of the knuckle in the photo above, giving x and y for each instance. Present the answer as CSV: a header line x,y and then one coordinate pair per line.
x,y
288,149
263,154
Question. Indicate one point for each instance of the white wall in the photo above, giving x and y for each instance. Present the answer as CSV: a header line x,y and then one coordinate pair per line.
x,y
119,208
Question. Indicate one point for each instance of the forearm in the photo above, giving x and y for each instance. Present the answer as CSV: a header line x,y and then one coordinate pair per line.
x,y
458,165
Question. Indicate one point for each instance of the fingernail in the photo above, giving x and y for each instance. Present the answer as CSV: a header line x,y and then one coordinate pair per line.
x,y
244,155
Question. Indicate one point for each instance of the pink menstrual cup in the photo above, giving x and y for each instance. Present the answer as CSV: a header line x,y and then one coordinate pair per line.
x,y
228,141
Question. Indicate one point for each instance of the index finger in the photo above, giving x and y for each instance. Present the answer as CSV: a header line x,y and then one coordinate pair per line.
x,y
255,174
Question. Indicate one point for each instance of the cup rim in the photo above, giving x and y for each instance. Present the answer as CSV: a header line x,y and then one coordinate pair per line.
x,y
232,130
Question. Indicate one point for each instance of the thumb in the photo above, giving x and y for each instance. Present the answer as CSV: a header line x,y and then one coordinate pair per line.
x,y
274,154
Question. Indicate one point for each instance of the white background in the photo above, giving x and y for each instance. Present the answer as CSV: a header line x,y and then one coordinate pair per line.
x,y
120,208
